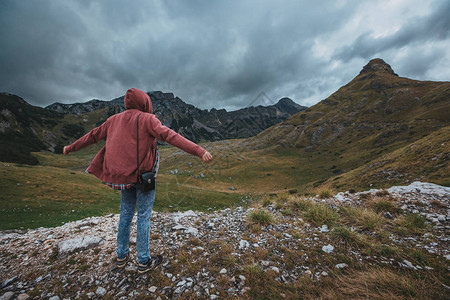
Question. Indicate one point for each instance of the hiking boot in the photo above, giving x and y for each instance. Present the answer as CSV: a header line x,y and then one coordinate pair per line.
x,y
122,262
151,264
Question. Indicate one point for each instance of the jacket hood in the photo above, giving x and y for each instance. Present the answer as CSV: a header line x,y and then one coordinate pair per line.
x,y
137,99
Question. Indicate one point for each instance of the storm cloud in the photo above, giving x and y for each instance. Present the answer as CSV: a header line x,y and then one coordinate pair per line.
x,y
219,54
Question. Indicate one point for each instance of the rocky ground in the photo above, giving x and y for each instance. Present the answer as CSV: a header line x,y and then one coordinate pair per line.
x,y
278,247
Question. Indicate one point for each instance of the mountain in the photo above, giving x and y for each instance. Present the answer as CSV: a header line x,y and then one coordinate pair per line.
x,y
25,128
373,115
197,124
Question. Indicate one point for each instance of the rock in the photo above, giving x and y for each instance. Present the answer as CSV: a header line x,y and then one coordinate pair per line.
x,y
8,282
54,298
265,263
328,248
276,269
232,188
23,297
223,271
388,215
178,226
213,297
341,265
152,289
243,244
7,296
308,272
191,230
81,243
407,264
324,228
101,292
324,273
242,277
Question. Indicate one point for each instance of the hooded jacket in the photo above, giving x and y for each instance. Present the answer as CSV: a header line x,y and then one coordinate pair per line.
x,y
116,161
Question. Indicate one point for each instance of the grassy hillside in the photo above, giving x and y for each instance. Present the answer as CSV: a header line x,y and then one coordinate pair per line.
x,y
58,191
425,160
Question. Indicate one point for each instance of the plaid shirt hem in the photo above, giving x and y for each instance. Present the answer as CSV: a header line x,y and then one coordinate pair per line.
x,y
126,186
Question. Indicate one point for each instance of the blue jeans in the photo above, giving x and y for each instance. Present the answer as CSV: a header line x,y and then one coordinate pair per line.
x,y
144,212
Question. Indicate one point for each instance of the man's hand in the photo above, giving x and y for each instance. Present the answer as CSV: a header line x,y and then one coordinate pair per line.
x,y
207,156
65,150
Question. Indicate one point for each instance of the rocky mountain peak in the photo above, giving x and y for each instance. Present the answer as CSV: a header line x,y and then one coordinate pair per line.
x,y
379,66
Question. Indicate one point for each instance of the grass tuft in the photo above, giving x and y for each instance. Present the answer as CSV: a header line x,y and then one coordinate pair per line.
x,y
321,214
261,217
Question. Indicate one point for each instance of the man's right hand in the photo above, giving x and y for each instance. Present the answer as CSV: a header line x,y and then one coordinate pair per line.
x,y
65,150
207,156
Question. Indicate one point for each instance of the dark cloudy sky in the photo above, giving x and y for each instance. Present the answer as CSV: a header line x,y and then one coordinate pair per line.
x,y
214,53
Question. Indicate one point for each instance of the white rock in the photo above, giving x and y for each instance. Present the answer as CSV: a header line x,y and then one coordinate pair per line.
x,y
276,269
408,264
242,277
181,283
191,230
7,296
101,292
447,256
341,265
324,228
72,245
421,187
54,298
23,297
223,271
340,197
243,244
178,227
324,273
328,248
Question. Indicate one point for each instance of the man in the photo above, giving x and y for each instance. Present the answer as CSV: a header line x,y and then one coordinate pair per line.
x,y
116,165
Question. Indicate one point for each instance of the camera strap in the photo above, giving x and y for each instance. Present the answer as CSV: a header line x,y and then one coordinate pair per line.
x,y
137,149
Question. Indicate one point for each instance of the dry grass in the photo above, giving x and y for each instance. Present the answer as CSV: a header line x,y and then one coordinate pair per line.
x,y
362,218
412,223
321,214
261,217
383,283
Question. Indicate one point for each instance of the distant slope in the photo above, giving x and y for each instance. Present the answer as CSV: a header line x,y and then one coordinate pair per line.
x,y
427,159
197,124
24,128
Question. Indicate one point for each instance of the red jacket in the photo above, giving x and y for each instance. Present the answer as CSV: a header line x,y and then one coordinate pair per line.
x,y
116,161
